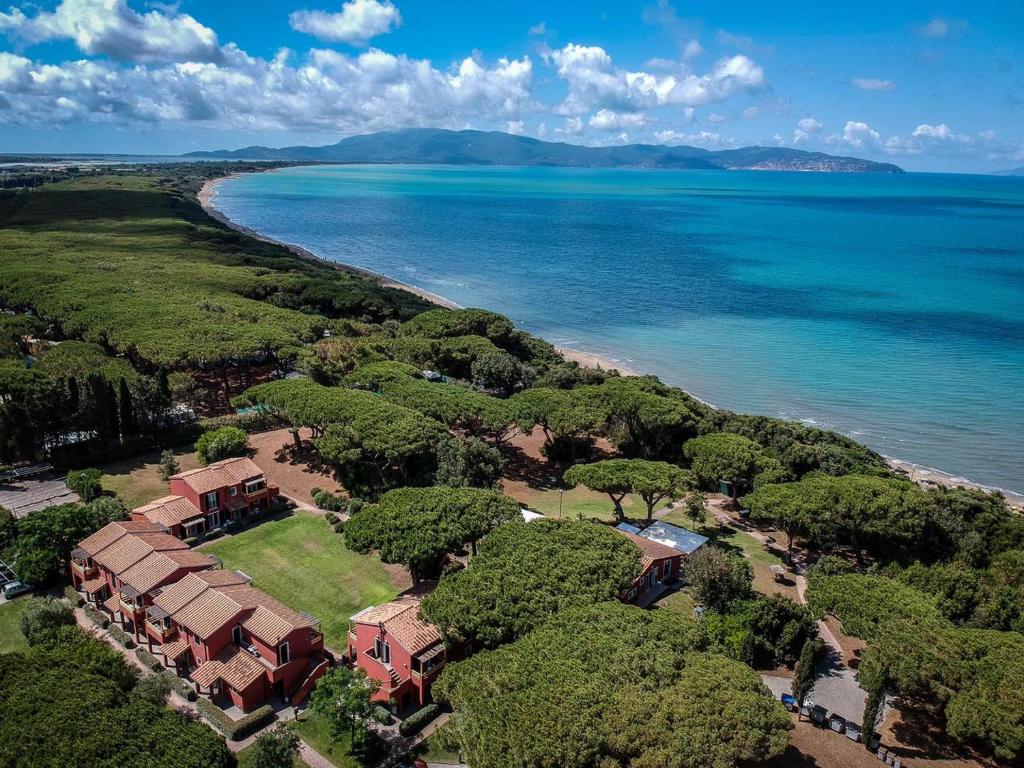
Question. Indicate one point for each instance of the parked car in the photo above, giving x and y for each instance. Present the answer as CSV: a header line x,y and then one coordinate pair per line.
x,y
15,588
789,701
837,723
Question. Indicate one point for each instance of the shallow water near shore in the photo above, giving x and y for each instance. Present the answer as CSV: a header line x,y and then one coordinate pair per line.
x,y
888,308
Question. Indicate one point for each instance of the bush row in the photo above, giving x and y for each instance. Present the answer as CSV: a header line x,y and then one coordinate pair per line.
x,y
249,422
415,722
235,729
121,636
73,597
148,659
96,617
182,687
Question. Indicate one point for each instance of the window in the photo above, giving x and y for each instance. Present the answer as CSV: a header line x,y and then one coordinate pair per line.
x,y
232,491
212,500
386,655
255,486
236,635
283,653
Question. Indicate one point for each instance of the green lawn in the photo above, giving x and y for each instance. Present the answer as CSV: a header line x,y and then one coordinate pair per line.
x,y
245,758
581,502
137,480
304,564
314,731
11,638
430,752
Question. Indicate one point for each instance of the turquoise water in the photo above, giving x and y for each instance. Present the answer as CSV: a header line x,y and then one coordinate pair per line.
x,y
886,307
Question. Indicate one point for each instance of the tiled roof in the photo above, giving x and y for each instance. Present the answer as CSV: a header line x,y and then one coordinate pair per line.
x,y
271,620
168,511
93,585
152,570
650,551
112,604
111,532
234,666
130,548
400,619
174,650
207,613
220,474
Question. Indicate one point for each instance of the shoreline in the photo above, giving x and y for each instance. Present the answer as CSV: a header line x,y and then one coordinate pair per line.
x,y
918,473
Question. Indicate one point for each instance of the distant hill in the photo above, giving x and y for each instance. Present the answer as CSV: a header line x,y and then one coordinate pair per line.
x,y
1009,172
435,146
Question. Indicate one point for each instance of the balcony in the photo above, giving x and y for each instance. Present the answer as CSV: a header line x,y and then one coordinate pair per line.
x,y
83,570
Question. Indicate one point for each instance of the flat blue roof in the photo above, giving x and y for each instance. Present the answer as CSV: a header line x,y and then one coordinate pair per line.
x,y
680,539
628,528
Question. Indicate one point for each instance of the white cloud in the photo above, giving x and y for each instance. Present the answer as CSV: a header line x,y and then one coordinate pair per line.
x,y
573,126
111,28
595,82
806,128
860,135
515,127
606,120
539,28
357,23
693,49
716,119
751,113
702,138
935,28
873,84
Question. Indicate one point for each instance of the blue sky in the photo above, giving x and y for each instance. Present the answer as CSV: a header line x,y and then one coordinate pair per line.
x,y
930,86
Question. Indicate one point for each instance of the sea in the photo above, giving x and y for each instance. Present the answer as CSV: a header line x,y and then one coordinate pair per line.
x,y
889,308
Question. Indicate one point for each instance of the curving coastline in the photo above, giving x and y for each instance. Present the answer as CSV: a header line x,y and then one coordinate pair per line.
x,y
923,475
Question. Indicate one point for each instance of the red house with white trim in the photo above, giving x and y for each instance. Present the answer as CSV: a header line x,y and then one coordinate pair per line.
x,y
396,647
124,565
222,492
235,641
660,564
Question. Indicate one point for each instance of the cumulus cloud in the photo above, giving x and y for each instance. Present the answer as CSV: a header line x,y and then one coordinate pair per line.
x,y
935,28
606,120
693,49
111,28
806,128
357,23
860,135
873,84
540,28
595,82
701,138
515,127
926,139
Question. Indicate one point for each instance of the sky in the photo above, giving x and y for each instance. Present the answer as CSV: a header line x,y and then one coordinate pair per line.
x,y
931,86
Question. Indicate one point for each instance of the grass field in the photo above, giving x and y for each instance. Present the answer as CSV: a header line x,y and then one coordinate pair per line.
x,y
314,731
727,537
304,564
137,480
577,502
11,638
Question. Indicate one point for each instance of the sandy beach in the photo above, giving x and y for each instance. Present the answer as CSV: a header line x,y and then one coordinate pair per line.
x,y
922,475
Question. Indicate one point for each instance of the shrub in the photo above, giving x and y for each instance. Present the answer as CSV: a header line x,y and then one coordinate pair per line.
x,y
277,748
235,729
191,540
96,617
414,723
168,464
43,614
221,444
233,527
213,533
249,422
331,518
327,500
806,667
182,688
154,689
121,636
314,491
148,659
73,597
86,483
339,527
355,505
381,715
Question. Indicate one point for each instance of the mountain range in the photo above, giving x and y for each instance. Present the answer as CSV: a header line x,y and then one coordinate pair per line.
x,y
444,147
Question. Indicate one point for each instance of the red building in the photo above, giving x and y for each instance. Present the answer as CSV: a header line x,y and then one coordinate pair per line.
x,y
222,492
123,566
236,643
660,565
176,514
393,645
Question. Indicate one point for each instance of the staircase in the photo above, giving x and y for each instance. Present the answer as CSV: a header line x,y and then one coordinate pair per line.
x,y
302,691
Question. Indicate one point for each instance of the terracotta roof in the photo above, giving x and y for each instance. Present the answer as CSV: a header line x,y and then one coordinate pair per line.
x,y
401,620
234,666
174,650
205,602
220,474
94,585
111,532
168,511
112,604
271,620
650,551
127,550
156,567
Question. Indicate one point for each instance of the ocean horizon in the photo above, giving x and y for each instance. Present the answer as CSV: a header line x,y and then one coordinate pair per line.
x,y
885,307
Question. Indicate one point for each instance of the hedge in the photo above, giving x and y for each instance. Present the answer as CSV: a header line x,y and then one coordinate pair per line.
x,y
121,636
148,659
96,617
182,687
414,723
248,422
331,518
339,527
235,729
73,597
